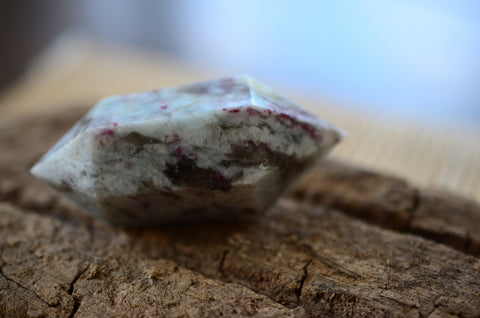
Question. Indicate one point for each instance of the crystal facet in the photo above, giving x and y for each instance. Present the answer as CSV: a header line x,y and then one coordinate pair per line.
x,y
220,149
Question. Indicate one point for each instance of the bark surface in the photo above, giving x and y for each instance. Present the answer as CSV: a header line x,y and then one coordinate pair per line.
x,y
344,242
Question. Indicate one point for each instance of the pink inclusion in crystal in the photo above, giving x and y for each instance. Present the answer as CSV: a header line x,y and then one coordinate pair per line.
x,y
219,177
178,151
108,132
250,111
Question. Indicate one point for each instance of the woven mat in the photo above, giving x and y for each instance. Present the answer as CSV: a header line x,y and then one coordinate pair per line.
x,y
77,71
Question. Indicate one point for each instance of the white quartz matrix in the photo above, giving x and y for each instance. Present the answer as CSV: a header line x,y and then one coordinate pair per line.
x,y
220,149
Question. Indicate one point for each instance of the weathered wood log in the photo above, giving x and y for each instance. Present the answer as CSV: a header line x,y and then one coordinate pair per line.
x,y
344,242
391,202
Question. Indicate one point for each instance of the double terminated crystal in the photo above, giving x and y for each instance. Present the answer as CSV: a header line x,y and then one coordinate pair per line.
x,y
219,149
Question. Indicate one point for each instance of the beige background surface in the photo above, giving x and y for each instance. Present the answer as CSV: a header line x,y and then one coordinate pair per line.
x,y
76,70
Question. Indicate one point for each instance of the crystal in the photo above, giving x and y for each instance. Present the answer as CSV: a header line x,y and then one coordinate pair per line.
x,y
220,149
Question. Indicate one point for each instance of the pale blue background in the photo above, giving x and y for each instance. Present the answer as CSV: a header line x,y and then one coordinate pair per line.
x,y
417,59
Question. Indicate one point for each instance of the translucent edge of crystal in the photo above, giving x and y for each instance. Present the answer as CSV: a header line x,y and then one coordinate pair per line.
x,y
342,134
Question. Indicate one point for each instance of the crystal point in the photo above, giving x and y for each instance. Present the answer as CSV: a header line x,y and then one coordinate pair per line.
x,y
214,150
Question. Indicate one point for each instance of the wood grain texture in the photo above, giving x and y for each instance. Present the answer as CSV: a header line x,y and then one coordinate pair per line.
x,y
344,242
393,203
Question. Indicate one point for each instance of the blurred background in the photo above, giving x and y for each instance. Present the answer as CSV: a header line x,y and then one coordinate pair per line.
x,y
409,58
402,76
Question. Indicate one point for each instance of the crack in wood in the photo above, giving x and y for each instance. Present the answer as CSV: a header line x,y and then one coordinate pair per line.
x,y
76,306
327,261
416,201
302,281
10,280
222,261
75,279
